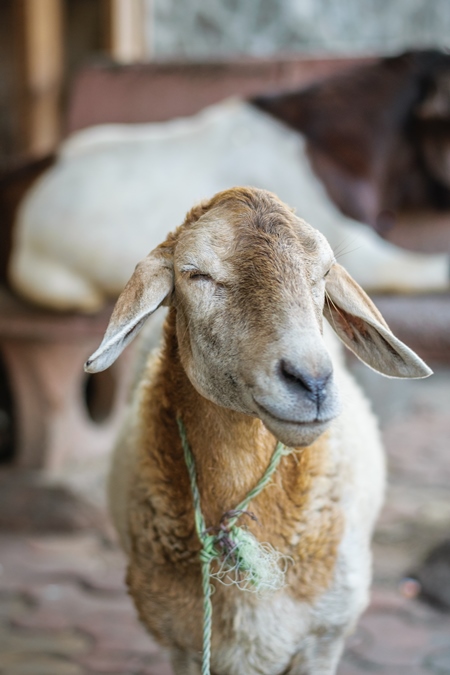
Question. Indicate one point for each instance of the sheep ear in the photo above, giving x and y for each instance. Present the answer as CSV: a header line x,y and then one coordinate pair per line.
x,y
360,326
148,288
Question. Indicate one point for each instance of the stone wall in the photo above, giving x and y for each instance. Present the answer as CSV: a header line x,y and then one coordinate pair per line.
x,y
199,29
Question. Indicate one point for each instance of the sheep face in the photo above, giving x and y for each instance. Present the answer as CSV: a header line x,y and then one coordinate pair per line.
x,y
249,293
249,282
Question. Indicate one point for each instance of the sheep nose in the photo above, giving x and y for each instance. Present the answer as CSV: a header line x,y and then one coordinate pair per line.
x,y
313,386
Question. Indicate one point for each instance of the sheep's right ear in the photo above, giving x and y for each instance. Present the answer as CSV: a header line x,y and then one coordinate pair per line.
x,y
150,285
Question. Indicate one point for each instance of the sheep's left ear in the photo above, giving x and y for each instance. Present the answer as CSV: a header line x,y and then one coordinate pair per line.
x,y
149,287
359,324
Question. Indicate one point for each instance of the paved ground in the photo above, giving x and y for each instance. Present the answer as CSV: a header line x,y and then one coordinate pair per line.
x,y
64,609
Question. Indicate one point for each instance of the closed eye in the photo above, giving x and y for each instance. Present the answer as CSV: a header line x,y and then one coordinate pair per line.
x,y
322,278
194,275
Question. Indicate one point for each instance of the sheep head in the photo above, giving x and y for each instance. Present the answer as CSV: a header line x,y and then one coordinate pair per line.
x,y
250,282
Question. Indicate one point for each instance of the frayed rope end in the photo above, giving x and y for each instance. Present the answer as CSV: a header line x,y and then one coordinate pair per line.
x,y
251,565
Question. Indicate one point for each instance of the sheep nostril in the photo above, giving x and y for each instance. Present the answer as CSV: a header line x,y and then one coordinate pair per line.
x,y
314,386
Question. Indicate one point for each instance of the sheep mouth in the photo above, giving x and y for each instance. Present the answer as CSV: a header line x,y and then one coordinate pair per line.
x,y
314,423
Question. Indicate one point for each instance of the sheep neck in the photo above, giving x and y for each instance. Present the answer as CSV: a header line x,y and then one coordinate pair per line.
x,y
231,450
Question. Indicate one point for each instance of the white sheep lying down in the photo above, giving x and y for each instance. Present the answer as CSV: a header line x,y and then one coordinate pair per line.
x,y
117,190
244,364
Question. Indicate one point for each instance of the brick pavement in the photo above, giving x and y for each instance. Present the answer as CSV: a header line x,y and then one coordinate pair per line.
x,y
64,608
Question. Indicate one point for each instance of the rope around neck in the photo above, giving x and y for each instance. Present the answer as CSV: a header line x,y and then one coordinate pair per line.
x,y
238,552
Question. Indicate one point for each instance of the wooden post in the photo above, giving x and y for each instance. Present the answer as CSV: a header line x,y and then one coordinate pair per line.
x,y
39,28
125,30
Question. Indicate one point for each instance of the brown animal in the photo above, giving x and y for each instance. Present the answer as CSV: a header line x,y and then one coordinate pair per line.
x,y
244,364
378,135
433,126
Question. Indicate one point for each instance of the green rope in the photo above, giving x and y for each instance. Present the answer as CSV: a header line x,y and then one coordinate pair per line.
x,y
237,549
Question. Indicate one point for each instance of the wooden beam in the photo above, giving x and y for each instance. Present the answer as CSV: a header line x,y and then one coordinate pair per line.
x,y
125,30
39,29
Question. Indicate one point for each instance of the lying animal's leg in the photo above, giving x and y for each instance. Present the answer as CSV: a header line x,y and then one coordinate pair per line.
x,y
52,284
381,266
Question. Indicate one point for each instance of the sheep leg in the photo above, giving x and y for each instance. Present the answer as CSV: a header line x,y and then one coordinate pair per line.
x,y
321,659
183,663
328,654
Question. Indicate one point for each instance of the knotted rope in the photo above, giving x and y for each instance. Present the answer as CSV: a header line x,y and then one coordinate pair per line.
x,y
255,566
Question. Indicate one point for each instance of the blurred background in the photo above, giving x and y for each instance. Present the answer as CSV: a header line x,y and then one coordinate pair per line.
x,y
44,43
66,65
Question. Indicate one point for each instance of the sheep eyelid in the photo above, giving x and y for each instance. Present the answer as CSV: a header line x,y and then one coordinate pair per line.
x,y
322,278
196,275
199,275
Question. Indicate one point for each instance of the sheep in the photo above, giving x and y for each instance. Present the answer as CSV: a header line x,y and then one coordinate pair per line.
x,y
244,364
116,190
